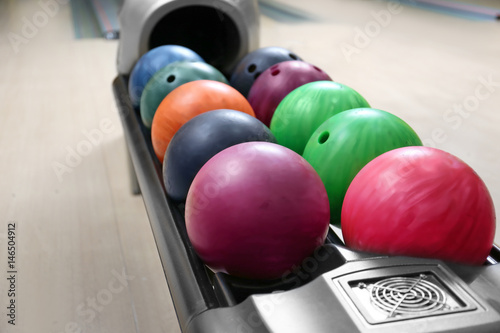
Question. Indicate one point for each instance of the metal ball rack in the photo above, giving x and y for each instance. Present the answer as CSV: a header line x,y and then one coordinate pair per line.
x,y
335,289
324,294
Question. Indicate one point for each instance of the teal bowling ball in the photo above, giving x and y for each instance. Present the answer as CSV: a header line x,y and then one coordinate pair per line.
x,y
170,77
303,110
346,142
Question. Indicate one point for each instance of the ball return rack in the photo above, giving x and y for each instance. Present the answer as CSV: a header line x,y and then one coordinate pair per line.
x,y
334,290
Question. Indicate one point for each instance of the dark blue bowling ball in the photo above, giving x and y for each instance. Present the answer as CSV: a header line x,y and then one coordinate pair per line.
x,y
254,63
200,139
151,62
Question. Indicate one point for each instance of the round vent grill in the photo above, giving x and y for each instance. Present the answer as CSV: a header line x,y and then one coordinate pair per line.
x,y
407,296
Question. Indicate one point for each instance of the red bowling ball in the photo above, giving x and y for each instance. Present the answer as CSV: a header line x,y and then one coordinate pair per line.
x,y
255,210
422,202
276,82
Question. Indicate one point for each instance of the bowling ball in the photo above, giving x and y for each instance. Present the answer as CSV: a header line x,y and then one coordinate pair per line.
x,y
303,110
170,77
421,202
201,138
344,143
278,81
255,210
254,63
151,62
188,101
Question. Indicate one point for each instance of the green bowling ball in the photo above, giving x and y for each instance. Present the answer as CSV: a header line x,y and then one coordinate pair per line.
x,y
304,109
346,142
170,77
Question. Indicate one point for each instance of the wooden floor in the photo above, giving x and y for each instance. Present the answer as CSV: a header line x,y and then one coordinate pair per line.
x,y
85,257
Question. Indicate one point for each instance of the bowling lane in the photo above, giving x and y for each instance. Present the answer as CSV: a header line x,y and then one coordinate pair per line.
x,y
85,257
440,73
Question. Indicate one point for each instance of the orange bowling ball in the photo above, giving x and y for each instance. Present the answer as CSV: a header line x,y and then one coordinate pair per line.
x,y
186,102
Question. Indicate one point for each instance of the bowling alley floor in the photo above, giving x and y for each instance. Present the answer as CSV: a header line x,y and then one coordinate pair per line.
x,y
85,259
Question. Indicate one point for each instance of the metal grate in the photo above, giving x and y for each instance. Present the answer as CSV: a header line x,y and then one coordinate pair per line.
x,y
406,296
400,297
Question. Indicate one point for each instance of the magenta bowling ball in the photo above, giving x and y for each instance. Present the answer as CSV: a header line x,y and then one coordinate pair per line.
x,y
422,202
276,82
255,210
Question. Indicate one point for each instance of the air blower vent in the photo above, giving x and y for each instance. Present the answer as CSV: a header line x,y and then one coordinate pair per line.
x,y
406,297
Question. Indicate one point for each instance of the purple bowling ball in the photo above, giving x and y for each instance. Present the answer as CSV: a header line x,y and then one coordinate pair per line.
x,y
255,210
278,81
254,63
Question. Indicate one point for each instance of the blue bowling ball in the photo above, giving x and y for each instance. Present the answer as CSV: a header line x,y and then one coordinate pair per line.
x,y
254,63
151,62
200,139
